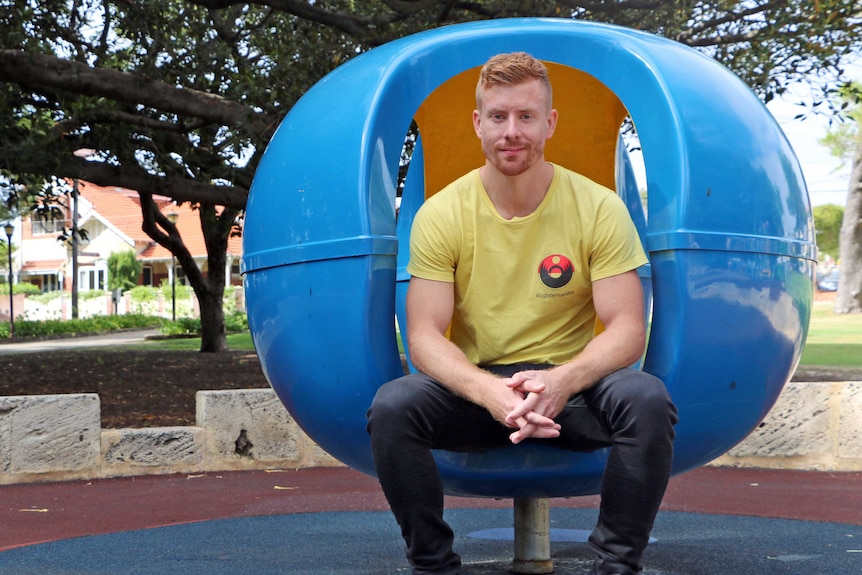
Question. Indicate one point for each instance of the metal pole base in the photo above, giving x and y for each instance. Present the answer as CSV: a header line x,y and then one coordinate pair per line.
x,y
532,537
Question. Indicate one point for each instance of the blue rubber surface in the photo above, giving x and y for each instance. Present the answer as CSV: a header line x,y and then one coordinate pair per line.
x,y
368,543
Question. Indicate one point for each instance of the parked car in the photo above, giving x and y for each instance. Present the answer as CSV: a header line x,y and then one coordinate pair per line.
x,y
829,282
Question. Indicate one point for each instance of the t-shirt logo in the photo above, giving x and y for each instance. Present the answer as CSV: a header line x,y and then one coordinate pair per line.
x,y
556,271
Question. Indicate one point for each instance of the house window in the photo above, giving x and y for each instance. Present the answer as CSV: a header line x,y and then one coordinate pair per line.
x,y
147,275
40,227
49,282
92,279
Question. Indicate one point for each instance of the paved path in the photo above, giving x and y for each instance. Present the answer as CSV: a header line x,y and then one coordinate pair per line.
x,y
106,340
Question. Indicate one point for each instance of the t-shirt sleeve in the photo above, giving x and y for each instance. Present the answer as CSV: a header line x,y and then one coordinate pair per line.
x,y
617,247
433,253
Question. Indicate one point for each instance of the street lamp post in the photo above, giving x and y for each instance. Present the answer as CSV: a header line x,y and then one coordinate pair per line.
x,y
172,217
9,228
75,279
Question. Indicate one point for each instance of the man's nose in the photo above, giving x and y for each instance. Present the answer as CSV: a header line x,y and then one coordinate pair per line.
x,y
513,130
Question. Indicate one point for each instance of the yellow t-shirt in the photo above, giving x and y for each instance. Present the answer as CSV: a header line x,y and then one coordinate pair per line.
x,y
523,287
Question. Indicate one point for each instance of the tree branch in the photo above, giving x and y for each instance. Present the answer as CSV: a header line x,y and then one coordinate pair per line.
x,y
179,189
351,24
132,177
45,71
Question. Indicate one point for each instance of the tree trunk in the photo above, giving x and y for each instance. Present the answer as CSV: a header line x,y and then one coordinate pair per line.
x,y
216,228
213,337
209,288
849,296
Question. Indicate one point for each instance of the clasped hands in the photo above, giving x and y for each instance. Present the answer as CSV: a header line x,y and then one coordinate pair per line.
x,y
539,404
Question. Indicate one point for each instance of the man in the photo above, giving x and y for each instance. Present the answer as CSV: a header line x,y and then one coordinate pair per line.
x,y
520,257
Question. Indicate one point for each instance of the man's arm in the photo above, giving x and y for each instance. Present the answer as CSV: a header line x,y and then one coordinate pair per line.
x,y
619,306
429,311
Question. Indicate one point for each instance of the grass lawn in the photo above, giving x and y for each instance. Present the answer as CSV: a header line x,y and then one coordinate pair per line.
x,y
235,341
833,339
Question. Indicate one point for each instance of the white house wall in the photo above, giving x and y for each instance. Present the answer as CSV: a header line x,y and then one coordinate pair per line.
x,y
104,240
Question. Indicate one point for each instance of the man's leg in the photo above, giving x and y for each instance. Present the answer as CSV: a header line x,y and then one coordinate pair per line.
x,y
408,418
638,416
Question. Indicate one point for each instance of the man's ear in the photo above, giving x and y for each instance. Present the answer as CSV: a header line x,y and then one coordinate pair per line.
x,y
552,123
477,123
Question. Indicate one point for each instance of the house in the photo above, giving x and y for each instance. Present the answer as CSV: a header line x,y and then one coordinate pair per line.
x,y
112,220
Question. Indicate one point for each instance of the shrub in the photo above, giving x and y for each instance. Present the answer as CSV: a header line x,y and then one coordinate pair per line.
x,y
123,270
235,322
92,294
143,299
25,288
91,325
47,297
183,326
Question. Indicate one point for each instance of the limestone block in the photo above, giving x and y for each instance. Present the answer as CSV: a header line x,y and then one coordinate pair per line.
x,y
249,423
798,424
153,447
850,421
49,433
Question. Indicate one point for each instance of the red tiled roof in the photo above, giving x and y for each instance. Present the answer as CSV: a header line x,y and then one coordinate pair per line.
x,y
121,207
189,226
118,206
42,265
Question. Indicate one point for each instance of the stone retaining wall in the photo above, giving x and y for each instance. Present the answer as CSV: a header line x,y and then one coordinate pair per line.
x,y
814,426
58,437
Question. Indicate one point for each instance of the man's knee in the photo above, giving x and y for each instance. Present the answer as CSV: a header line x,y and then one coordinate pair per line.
x,y
646,396
393,400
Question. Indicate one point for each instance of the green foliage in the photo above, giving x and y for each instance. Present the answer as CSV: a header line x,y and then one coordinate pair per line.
x,y
143,294
26,288
4,256
183,326
234,323
183,301
843,137
93,325
171,93
143,300
827,223
124,269
183,291
91,294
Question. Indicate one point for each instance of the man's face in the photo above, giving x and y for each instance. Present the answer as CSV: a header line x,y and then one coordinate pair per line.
x,y
513,124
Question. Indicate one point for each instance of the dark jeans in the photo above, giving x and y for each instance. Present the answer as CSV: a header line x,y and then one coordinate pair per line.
x,y
629,410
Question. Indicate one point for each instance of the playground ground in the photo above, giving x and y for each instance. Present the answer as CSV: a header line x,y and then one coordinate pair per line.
x,y
714,521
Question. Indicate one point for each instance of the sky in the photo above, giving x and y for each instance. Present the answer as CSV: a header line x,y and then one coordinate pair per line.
x,y
826,176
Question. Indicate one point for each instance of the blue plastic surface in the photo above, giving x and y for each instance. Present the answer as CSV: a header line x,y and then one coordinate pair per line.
x,y
729,235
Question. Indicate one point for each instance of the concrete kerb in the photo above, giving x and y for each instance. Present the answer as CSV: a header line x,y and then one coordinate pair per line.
x,y
813,426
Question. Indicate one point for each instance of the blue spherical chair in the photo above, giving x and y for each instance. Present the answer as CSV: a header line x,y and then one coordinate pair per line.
x,y
728,231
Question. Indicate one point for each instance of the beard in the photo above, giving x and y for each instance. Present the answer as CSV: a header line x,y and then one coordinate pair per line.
x,y
513,165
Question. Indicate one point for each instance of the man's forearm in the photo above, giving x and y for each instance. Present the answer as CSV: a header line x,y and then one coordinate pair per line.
x,y
446,363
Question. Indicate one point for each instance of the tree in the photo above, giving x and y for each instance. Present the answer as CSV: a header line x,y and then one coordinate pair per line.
x,y
827,222
179,98
124,269
845,141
